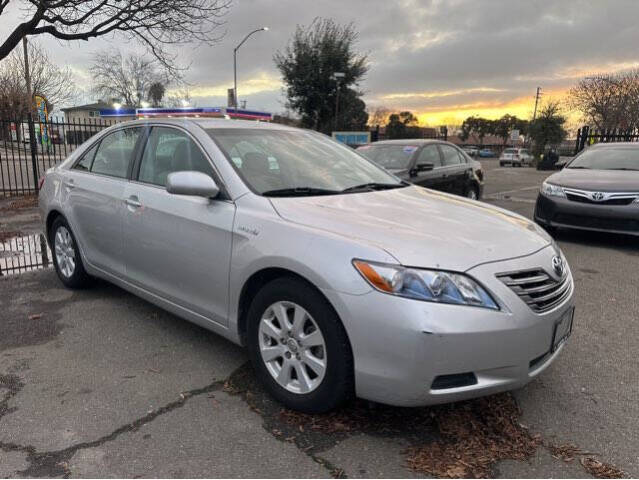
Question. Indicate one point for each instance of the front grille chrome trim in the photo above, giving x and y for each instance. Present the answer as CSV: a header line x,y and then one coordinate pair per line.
x,y
588,196
537,289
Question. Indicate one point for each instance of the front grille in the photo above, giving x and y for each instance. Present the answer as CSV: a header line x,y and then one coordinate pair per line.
x,y
537,289
621,224
611,201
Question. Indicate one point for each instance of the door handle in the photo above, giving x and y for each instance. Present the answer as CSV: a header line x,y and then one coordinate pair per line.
x,y
69,184
133,202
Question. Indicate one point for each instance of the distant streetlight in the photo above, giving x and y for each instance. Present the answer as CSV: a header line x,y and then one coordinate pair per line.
x,y
263,29
337,76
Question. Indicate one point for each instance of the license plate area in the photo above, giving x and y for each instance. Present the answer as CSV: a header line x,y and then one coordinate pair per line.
x,y
562,329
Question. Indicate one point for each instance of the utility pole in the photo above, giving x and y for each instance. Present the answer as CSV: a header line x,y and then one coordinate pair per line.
x,y
32,139
337,76
537,96
27,74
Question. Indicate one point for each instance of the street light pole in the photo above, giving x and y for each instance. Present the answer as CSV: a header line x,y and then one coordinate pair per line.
x,y
235,63
337,76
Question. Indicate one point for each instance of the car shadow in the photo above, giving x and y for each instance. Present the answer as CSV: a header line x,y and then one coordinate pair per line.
x,y
625,243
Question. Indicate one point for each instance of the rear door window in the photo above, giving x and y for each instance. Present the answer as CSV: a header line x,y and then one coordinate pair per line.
x,y
87,159
430,154
115,153
450,156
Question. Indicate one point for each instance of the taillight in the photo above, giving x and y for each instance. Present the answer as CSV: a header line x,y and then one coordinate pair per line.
x,y
40,183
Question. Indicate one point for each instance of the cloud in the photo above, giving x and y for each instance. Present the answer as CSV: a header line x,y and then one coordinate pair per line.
x,y
437,58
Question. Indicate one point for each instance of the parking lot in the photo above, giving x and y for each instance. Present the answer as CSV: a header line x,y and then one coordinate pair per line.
x,y
100,383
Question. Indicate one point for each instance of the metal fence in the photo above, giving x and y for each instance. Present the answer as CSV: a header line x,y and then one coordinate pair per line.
x,y
587,136
28,148
24,253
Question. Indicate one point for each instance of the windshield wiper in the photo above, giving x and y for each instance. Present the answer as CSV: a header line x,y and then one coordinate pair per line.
x,y
367,187
625,168
579,167
299,192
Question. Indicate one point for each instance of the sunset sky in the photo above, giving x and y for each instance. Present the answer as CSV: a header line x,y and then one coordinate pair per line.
x,y
443,60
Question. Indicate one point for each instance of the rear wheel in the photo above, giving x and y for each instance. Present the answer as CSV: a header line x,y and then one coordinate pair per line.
x,y
472,192
66,256
298,347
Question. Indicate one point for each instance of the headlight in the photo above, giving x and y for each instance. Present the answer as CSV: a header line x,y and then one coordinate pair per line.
x,y
427,285
552,190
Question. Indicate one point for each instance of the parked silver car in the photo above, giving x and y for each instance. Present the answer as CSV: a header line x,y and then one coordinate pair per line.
x,y
339,278
515,157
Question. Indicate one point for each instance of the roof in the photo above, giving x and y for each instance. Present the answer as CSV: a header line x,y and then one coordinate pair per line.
x,y
407,141
207,123
89,106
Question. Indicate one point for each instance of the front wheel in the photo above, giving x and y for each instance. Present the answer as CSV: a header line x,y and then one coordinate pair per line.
x,y
298,347
66,256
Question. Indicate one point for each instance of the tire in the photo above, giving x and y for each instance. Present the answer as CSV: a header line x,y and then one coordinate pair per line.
x,y
472,192
309,389
502,164
66,256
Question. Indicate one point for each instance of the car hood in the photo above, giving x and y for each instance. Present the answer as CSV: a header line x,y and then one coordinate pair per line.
x,y
605,180
420,227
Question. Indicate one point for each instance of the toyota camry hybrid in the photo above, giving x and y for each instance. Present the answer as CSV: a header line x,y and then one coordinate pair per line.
x,y
598,190
339,278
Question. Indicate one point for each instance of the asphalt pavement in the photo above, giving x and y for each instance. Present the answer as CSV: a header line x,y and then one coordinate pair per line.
x,y
99,383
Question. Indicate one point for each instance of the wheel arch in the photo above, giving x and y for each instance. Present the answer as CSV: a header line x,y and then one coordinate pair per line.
x,y
51,217
253,285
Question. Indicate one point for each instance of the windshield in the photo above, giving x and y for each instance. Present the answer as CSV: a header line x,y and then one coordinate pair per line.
x,y
389,156
610,158
276,161
511,150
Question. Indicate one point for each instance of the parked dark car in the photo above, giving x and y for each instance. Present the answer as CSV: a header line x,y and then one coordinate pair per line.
x,y
429,163
598,190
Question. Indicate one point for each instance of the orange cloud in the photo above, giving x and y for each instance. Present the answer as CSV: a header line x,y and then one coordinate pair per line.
x,y
522,107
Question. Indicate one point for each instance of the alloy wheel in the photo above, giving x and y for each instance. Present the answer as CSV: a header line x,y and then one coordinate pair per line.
x,y
292,347
64,251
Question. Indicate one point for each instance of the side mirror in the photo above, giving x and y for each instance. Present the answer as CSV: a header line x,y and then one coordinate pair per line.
x,y
192,183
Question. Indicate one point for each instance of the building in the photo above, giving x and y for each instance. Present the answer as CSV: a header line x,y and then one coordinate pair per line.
x,y
98,111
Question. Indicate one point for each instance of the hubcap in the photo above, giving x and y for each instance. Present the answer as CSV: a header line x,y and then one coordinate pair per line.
x,y
64,251
292,347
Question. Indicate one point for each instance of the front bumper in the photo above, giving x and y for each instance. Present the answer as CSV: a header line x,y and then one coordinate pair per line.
x,y
412,353
561,212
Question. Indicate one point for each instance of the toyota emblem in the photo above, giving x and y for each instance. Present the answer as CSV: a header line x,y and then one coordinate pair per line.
x,y
598,196
558,265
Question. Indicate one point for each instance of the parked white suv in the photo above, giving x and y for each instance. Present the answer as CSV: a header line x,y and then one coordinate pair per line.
x,y
515,157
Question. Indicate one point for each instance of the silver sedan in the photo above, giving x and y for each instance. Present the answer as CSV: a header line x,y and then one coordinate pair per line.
x,y
339,278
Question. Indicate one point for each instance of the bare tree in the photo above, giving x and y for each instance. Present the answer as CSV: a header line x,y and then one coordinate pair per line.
x,y
180,98
129,79
155,24
379,116
608,101
55,83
